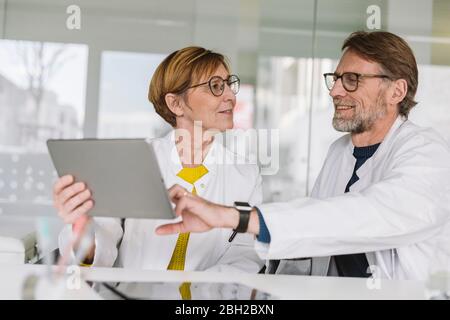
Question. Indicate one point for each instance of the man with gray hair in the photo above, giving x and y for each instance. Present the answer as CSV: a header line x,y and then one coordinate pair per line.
x,y
382,198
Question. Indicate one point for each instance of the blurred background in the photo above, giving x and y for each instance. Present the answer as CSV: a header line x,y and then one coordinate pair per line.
x,y
63,80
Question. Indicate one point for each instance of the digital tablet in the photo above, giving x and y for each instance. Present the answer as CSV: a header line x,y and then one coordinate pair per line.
x,y
122,174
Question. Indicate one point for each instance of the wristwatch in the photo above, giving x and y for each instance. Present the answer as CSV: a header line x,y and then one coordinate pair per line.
x,y
244,216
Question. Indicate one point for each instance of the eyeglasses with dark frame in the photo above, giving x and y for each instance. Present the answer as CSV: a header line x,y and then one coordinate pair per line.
x,y
350,80
217,84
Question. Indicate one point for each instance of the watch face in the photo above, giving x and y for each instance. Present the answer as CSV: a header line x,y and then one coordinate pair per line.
x,y
242,205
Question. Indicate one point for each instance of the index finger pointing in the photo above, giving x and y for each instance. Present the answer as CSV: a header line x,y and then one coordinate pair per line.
x,y
168,229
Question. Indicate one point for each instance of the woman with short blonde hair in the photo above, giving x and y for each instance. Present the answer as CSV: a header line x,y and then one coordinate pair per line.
x,y
191,89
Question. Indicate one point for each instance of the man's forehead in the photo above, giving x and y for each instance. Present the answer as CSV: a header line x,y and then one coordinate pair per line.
x,y
353,62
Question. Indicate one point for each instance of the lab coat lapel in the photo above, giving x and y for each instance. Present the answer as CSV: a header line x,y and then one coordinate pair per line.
x,y
211,163
170,165
320,265
365,172
346,169
171,168
172,162
336,172
364,175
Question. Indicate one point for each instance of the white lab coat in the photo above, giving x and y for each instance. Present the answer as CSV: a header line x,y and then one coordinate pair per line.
x,y
394,213
137,246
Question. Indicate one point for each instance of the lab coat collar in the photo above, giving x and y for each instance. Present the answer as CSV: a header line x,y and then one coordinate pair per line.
x,y
397,123
385,144
381,151
210,162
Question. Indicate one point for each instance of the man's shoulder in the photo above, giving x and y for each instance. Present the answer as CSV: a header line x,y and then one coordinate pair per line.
x,y
411,134
420,145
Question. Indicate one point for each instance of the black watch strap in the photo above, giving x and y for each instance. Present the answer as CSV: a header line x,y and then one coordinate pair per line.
x,y
244,216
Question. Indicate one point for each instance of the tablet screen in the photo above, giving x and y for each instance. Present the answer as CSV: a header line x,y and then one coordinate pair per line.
x,y
122,174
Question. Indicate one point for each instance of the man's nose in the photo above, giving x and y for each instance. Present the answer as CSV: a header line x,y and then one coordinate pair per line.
x,y
338,89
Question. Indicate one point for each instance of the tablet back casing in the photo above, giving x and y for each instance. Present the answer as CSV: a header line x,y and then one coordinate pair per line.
x,y
123,175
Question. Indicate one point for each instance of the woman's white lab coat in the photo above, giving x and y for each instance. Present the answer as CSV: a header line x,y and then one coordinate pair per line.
x,y
135,245
394,213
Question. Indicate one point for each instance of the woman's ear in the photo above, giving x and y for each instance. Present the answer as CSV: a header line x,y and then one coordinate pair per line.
x,y
174,104
400,91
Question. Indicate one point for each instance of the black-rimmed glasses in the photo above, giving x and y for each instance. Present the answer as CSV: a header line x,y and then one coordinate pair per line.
x,y
217,84
350,80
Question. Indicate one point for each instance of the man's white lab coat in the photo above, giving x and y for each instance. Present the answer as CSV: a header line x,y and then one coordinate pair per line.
x,y
394,213
135,244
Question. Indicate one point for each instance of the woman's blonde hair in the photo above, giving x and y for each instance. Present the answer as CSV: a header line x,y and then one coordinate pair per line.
x,y
178,71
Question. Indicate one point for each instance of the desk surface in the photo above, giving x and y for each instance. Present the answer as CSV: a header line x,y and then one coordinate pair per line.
x,y
282,286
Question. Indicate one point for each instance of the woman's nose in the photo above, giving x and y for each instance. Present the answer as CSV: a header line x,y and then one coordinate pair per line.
x,y
228,93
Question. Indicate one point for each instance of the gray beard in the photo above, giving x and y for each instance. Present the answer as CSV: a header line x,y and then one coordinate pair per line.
x,y
362,120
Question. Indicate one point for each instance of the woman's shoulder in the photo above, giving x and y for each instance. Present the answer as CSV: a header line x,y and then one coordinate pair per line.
x,y
163,146
161,140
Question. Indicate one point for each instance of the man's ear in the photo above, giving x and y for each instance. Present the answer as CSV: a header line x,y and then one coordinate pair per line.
x,y
174,104
400,89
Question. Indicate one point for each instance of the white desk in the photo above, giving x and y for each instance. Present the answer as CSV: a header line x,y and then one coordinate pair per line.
x,y
282,286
